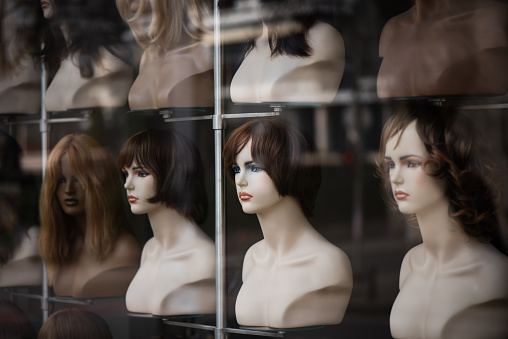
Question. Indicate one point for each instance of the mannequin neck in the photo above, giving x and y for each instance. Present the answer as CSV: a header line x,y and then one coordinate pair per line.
x,y
283,226
442,236
170,228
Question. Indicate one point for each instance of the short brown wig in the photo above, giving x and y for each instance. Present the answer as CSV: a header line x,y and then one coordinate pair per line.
x,y
458,155
284,152
176,166
75,323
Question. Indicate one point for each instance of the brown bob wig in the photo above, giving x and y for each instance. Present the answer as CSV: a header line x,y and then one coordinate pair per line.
x,y
284,152
75,323
176,166
459,156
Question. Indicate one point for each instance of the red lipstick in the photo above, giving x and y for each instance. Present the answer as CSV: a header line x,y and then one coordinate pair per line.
x,y
244,196
400,195
44,4
132,199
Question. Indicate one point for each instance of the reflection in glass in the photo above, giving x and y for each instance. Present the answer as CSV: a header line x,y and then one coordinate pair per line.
x,y
20,77
176,68
445,48
294,277
292,53
75,323
20,262
435,171
84,240
87,54
164,178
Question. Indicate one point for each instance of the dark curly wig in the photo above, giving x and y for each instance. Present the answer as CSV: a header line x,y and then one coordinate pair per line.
x,y
459,156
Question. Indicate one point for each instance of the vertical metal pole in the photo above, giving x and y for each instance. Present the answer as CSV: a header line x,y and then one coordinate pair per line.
x,y
44,155
220,234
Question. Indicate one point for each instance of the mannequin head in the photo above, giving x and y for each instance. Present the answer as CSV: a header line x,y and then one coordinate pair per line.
x,y
83,26
452,157
282,151
20,22
175,167
81,170
163,22
74,323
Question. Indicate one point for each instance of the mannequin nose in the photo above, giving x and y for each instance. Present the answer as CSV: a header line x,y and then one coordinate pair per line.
x,y
240,180
128,184
69,186
396,176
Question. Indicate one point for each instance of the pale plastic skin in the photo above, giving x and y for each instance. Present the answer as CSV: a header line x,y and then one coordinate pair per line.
x,y
178,77
445,48
293,277
108,87
451,286
177,272
315,79
25,266
83,276
20,93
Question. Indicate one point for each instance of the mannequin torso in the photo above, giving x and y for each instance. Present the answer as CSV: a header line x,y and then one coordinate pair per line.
x,y
85,277
467,297
21,92
294,277
177,272
25,267
108,87
179,77
262,78
445,49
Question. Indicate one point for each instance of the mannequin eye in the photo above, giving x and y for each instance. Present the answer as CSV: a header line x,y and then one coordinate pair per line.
x,y
255,168
62,180
412,164
390,164
236,169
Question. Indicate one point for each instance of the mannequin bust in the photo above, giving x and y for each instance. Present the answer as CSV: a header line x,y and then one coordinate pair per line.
x,y
164,178
297,58
84,240
293,277
20,262
453,285
20,77
445,48
93,67
176,68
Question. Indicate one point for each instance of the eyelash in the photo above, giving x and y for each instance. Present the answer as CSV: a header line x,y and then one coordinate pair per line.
x,y
140,174
252,167
410,164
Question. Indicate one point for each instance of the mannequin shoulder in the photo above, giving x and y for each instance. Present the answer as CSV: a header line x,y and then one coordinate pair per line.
x,y
493,272
413,257
390,29
325,40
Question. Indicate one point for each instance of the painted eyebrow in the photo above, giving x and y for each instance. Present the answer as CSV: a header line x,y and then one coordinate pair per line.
x,y
404,157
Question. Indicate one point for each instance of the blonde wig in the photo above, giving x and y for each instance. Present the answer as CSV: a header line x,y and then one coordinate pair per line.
x,y
105,214
168,20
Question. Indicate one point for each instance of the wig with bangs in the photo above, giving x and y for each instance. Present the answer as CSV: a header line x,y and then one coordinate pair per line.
x,y
284,152
105,212
457,154
176,166
162,22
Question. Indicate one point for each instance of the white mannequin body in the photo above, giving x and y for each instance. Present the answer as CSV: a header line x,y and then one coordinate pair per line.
x,y
85,277
21,93
262,78
293,277
445,48
178,77
25,266
177,272
451,286
108,87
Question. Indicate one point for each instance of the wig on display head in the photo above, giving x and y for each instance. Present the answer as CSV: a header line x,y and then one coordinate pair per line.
x,y
94,169
284,152
162,22
288,22
14,323
90,26
75,323
20,24
176,166
457,154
